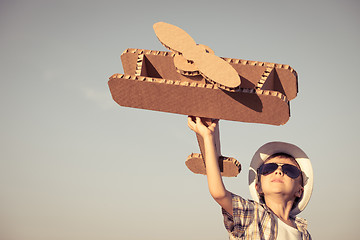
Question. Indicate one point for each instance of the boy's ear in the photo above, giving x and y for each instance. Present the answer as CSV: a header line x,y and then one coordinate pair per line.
x,y
258,188
299,192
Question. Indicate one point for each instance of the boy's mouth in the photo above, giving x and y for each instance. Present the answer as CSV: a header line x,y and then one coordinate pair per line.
x,y
277,180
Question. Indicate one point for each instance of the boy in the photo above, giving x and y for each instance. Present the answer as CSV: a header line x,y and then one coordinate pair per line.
x,y
280,181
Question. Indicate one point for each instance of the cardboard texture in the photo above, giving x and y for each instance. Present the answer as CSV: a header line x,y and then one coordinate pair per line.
x,y
229,167
191,80
151,81
209,66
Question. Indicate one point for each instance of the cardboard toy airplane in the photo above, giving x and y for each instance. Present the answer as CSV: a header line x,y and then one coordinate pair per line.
x,y
191,80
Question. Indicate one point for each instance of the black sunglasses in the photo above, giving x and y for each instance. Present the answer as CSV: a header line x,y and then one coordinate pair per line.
x,y
287,169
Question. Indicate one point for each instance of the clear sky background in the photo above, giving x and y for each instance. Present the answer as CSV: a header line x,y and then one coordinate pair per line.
x,y
75,165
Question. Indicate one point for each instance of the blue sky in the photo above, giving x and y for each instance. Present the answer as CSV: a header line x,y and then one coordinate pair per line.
x,y
75,165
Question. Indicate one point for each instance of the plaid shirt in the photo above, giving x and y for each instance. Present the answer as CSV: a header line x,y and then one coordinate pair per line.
x,y
252,220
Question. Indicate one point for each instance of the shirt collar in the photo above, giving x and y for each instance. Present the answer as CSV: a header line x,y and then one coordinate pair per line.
x,y
301,224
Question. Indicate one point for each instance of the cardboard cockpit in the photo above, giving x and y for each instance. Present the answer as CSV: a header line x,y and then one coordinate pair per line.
x,y
191,80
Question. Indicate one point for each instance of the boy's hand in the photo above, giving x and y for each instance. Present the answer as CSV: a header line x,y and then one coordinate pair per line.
x,y
205,127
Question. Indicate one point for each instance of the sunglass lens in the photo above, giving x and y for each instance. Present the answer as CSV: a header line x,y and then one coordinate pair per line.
x,y
291,170
268,168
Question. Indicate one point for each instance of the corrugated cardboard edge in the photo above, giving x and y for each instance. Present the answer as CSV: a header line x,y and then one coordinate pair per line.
x,y
284,71
229,167
204,100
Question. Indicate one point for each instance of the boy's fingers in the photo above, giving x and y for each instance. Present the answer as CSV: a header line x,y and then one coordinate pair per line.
x,y
192,118
189,119
214,122
198,120
191,123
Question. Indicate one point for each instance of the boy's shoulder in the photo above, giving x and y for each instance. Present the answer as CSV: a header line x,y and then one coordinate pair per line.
x,y
247,209
241,202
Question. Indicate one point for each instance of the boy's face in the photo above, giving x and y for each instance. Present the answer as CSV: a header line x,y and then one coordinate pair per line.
x,y
278,183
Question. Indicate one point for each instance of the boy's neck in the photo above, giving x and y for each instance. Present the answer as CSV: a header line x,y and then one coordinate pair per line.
x,y
280,207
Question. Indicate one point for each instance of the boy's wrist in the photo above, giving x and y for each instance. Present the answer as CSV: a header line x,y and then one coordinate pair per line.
x,y
209,139
208,136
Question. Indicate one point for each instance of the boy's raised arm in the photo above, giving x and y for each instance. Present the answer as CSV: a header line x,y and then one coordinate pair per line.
x,y
215,183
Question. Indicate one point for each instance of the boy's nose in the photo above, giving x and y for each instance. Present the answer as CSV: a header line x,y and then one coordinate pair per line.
x,y
279,170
